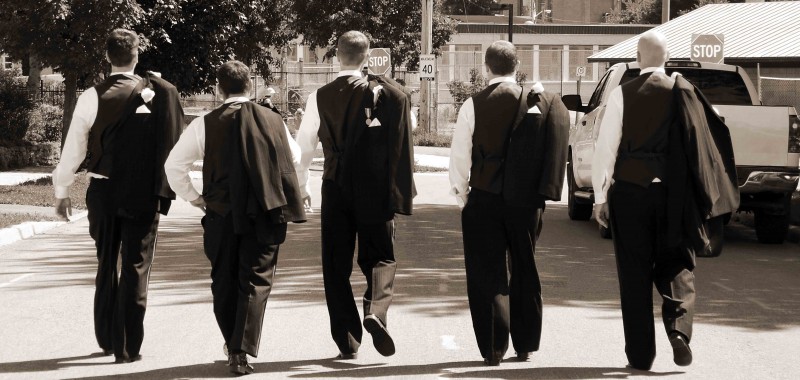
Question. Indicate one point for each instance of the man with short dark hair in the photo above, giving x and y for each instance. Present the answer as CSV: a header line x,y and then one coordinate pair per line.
x,y
249,195
121,131
367,178
507,157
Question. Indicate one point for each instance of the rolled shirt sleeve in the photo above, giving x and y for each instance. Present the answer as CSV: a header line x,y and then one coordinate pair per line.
x,y
189,148
76,143
307,139
461,152
605,151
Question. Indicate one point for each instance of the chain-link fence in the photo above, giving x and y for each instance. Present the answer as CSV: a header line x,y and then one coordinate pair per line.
x,y
780,91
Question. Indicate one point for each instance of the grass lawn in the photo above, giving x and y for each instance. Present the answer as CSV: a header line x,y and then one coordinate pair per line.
x,y
40,193
7,220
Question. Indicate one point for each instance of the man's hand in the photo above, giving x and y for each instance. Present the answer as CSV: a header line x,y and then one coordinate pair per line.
x,y
199,203
601,214
64,208
307,203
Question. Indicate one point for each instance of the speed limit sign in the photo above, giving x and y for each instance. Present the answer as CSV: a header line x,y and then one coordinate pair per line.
x,y
427,66
580,71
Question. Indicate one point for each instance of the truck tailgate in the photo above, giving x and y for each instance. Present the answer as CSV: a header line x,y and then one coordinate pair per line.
x,y
760,134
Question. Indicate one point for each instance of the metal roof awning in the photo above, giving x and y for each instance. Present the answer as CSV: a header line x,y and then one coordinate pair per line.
x,y
754,32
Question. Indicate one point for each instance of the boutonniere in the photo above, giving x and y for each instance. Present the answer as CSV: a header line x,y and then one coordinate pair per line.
x,y
537,88
147,95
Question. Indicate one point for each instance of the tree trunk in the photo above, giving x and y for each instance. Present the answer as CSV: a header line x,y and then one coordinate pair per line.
x,y
34,76
70,98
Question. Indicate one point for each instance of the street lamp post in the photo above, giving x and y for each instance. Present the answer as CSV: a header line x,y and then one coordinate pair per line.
x,y
510,8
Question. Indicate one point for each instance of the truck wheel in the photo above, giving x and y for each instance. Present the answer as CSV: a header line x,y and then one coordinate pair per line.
x,y
716,231
576,211
771,229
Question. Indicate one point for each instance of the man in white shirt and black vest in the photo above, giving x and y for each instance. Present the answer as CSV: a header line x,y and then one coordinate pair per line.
x,y
363,124
657,175
121,131
507,158
250,193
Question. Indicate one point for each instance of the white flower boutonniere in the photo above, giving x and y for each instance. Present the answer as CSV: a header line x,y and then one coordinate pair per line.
x,y
147,95
537,88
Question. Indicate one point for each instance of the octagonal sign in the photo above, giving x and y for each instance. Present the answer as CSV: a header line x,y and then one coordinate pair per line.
x,y
707,48
380,61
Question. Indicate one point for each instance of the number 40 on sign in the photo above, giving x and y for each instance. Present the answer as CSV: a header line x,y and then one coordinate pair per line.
x,y
427,67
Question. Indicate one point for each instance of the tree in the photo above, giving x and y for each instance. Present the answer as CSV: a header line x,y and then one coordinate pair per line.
x,y
188,40
389,24
467,7
637,12
699,4
67,35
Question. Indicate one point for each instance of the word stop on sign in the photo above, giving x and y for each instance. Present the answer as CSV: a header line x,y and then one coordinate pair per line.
x,y
707,51
378,61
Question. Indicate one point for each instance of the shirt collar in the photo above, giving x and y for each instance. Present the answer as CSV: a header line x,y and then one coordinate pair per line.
x,y
347,73
653,69
128,73
502,79
236,99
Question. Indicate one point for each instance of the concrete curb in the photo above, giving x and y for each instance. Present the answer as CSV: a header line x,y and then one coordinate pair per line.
x,y
25,230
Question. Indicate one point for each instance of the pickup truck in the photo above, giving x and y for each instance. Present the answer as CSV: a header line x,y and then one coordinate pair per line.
x,y
766,144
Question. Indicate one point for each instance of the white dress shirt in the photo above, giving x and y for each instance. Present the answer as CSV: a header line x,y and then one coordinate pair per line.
x,y
607,146
192,147
461,147
308,137
77,142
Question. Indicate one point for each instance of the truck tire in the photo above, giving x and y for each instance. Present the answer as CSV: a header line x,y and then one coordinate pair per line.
x,y
576,211
715,227
771,229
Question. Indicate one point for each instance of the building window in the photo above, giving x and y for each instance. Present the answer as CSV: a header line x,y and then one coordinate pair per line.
x,y
525,56
579,56
8,62
463,58
550,62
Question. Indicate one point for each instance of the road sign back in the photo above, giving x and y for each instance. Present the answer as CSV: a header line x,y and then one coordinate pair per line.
x,y
707,48
380,61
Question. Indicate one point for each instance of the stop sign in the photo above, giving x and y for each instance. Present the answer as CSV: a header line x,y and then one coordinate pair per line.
x,y
707,48
379,61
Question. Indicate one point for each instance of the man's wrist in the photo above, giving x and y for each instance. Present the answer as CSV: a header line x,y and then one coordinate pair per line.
x,y
61,192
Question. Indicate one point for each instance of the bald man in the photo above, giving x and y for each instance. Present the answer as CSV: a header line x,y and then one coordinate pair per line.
x,y
630,178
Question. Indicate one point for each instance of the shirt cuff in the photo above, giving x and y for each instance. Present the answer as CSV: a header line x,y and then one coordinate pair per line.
x,y
62,192
599,198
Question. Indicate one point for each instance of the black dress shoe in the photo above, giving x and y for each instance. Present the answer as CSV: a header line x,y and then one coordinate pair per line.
x,y
350,356
493,361
107,352
682,354
380,335
127,359
631,366
239,365
523,356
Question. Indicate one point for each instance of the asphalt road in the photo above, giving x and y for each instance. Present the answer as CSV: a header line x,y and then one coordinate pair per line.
x,y
747,322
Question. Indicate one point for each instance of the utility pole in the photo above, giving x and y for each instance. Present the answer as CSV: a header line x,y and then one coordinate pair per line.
x,y
664,11
427,47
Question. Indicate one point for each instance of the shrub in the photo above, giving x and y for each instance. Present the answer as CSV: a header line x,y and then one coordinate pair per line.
x,y
15,107
44,124
423,138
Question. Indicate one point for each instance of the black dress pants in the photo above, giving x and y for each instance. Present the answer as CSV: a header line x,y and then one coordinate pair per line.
x,y
242,271
505,296
639,226
120,298
341,225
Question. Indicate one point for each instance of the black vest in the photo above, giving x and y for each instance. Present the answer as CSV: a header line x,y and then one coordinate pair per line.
x,y
648,112
124,149
219,124
356,156
496,110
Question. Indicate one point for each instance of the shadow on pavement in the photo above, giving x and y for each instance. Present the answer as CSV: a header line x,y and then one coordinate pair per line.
x,y
751,285
46,365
